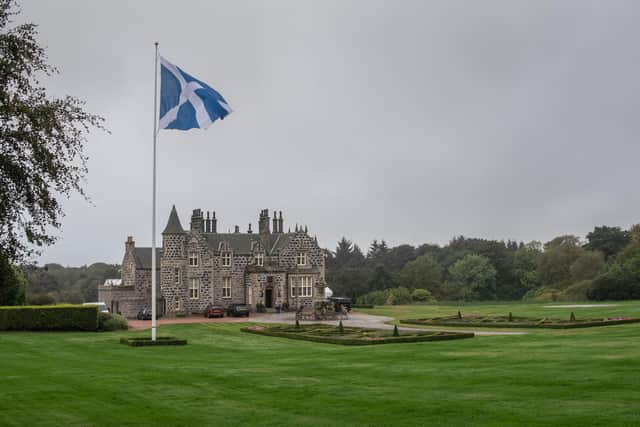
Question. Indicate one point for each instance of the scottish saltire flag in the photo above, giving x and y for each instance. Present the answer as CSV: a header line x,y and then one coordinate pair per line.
x,y
186,102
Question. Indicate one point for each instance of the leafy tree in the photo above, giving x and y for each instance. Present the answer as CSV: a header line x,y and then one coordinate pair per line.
x,y
41,142
423,273
608,240
555,263
12,284
634,233
380,278
475,275
398,256
587,266
525,264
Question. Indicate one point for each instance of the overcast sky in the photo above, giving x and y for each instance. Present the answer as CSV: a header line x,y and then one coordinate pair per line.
x,y
412,121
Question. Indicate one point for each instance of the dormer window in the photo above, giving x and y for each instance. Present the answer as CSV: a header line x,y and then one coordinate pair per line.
x,y
226,259
259,259
193,259
301,258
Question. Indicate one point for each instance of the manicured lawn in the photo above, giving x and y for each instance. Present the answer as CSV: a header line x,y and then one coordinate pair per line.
x,y
227,377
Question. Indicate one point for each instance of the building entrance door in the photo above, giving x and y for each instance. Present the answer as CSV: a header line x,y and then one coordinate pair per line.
x,y
268,297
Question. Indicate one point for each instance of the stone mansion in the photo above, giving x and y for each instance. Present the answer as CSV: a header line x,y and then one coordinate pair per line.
x,y
200,266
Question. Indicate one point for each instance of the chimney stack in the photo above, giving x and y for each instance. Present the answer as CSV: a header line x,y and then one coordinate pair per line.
x,y
129,245
280,224
237,230
207,223
275,222
197,220
249,230
263,223
214,223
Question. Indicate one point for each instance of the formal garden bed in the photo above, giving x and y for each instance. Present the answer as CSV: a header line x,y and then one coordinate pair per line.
x,y
352,336
511,321
146,341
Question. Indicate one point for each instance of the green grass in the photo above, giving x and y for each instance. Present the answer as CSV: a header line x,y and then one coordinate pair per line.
x,y
227,377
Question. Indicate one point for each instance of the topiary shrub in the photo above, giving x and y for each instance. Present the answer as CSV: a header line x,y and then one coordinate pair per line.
x,y
510,317
112,322
396,333
340,327
572,318
297,324
459,315
422,295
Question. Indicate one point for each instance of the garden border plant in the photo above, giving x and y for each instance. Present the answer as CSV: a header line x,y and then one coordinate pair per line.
x,y
146,341
512,321
351,336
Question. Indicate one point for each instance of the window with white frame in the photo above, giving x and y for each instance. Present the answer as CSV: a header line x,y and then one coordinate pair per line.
x,y
193,259
178,304
259,259
301,258
226,259
176,273
301,286
226,287
194,288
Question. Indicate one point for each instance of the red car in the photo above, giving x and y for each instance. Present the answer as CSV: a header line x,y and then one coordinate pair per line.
x,y
214,311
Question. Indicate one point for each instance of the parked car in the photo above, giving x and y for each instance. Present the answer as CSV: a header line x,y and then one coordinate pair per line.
x,y
102,307
339,302
238,310
145,314
214,311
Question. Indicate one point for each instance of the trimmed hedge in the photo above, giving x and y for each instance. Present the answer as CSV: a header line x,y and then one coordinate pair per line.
x,y
49,318
146,341
520,322
112,322
435,336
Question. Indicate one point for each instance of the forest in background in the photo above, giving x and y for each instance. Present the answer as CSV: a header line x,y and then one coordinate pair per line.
x,y
604,266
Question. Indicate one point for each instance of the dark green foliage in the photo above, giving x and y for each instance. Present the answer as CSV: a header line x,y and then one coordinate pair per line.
x,y
510,317
67,284
572,317
297,324
421,296
260,308
608,240
146,341
112,322
12,284
395,331
340,327
49,318
41,142
40,299
459,315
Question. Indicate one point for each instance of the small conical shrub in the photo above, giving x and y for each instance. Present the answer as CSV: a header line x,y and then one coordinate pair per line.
x,y
510,317
459,315
297,324
572,318
340,327
395,331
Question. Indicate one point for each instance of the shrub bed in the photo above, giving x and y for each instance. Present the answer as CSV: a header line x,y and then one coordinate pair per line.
x,y
49,318
112,322
146,341
519,321
351,336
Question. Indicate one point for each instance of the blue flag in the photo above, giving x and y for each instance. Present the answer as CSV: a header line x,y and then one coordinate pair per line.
x,y
186,102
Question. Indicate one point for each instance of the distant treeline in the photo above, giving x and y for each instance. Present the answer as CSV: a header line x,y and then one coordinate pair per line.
x,y
54,283
605,266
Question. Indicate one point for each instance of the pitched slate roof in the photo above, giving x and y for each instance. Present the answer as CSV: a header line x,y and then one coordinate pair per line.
x,y
173,225
241,243
143,258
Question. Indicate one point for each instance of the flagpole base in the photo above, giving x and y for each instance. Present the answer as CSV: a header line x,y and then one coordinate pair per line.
x,y
153,333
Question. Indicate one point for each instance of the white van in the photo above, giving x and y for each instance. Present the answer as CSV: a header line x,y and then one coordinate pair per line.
x,y
101,306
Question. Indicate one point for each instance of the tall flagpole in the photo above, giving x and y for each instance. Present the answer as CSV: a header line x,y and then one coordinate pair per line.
x,y
153,217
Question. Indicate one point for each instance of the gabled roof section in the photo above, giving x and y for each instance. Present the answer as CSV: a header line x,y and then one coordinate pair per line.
x,y
241,243
143,258
173,225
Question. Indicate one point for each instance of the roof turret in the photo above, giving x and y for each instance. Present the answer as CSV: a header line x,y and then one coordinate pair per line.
x,y
173,225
